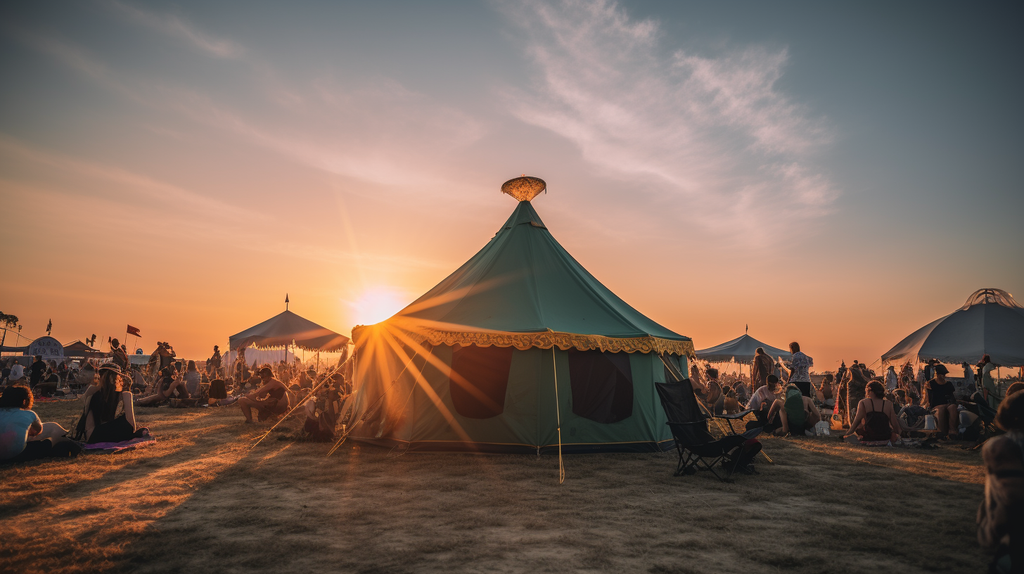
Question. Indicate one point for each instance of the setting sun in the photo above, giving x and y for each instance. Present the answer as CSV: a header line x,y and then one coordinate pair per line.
x,y
376,304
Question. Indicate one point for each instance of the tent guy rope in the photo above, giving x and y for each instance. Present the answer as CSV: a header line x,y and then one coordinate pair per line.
x,y
558,418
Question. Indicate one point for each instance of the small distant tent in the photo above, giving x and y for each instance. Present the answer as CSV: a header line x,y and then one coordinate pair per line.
x,y
990,322
741,350
518,339
79,350
288,329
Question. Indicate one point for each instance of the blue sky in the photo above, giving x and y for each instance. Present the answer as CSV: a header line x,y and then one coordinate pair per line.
x,y
838,173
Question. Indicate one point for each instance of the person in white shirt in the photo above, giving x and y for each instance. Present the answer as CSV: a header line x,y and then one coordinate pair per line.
x,y
800,369
17,372
891,380
764,396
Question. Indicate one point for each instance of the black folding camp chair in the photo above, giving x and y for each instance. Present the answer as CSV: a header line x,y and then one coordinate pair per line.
x,y
733,417
697,449
978,405
673,372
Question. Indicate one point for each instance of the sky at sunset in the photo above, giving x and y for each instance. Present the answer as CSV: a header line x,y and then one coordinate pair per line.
x,y
834,173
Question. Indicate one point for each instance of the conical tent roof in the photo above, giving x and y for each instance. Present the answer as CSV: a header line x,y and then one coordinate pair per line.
x,y
524,290
990,322
281,330
520,349
741,349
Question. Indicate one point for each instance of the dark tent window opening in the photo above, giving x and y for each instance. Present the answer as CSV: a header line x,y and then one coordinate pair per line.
x,y
479,379
602,385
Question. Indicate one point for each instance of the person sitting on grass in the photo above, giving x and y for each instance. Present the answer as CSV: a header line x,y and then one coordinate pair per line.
x,y
940,398
761,403
192,379
1001,514
218,396
23,437
100,421
828,398
875,419
86,374
797,412
697,382
714,397
270,400
730,404
47,385
900,399
742,394
321,426
166,388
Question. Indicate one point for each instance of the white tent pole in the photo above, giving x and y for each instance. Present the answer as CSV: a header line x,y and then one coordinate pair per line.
x,y
558,417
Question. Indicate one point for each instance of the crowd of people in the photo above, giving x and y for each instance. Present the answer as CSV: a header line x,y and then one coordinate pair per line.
x,y
888,410
780,395
869,408
112,390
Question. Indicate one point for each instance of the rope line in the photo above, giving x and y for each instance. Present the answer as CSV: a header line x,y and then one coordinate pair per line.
x,y
351,427
558,419
327,377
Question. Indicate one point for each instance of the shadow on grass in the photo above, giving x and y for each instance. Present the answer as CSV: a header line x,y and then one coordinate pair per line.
x,y
212,504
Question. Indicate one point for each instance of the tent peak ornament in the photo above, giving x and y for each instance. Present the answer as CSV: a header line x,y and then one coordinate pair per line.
x,y
524,188
989,296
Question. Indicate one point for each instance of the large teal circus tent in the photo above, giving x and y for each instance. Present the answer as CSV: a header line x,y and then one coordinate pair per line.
x,y
517,339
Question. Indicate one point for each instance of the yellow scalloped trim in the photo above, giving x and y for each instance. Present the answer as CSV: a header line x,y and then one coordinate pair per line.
x,y
548,339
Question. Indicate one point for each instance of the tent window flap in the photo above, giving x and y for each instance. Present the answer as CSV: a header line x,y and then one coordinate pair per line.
x,y
479,379
602,385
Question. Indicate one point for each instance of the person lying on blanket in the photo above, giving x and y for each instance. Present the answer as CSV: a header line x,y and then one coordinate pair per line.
x,y
167,386
270,400
23,437
100,421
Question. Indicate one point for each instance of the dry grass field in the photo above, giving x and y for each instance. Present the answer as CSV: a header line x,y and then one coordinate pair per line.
x,y
201,500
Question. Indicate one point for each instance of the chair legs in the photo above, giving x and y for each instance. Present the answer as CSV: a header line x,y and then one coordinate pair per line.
x,y
690,463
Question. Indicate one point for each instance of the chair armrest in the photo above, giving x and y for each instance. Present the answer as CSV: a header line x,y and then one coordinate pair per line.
x,y
735,416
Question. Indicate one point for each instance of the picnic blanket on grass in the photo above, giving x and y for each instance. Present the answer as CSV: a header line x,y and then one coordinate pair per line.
x,y
112,447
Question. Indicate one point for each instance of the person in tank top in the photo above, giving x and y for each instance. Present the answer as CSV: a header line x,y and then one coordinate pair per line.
x,y
876,417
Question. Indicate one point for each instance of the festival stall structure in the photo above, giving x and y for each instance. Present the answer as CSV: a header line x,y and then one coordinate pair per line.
x,y
285,331
80,350
989,323
520,349
740,350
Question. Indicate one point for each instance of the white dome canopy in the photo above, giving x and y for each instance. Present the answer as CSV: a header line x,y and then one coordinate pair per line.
x,y
989,323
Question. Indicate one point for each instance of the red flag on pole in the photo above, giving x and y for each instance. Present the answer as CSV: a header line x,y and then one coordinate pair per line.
x,y
134,331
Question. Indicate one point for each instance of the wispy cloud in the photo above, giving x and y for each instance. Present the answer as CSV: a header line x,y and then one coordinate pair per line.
x,y
714,131
380,132
121,184
377,131
180,28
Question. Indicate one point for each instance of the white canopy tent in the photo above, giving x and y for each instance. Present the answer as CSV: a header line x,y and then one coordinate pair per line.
x,y
990,322
277,339
740,349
